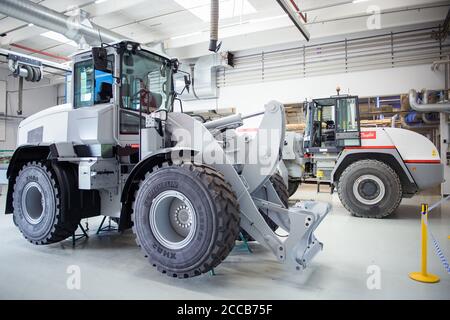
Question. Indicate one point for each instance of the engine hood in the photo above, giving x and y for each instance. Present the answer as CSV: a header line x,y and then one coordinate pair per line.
x,y
44,113
62,123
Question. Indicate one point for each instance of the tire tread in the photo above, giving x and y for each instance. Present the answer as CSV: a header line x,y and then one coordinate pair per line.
x,y
368,163
228,218
62,227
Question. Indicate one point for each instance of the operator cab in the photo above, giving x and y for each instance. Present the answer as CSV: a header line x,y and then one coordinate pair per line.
x,y
134,80
332,124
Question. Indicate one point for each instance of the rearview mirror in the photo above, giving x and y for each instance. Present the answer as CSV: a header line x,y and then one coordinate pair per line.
x,y
187,82
182,82
100,58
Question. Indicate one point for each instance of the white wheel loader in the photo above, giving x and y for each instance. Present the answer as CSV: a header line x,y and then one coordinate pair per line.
x,y
371,168
186,188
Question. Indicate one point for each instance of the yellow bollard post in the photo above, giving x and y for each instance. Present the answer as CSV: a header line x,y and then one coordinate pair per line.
x,y
423,275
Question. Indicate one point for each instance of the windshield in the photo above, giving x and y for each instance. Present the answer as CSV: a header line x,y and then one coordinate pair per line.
x,y
146,82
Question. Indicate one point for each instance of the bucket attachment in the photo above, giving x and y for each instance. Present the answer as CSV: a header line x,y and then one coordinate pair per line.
x,y
301,245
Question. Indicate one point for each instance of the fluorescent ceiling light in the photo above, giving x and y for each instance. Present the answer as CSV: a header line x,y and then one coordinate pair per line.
x,y
31,24
358,1
100,1
59,37
187,35
251,21
227,8
268,18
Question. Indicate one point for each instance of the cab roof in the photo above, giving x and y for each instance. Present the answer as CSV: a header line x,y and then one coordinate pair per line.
x,y
158,52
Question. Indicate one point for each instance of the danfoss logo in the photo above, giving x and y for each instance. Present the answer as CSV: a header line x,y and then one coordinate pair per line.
x,y
368,135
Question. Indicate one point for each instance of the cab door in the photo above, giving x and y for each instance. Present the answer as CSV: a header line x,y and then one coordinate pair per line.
x,y
348,127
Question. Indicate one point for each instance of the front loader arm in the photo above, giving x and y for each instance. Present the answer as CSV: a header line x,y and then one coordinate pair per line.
x,y
301,245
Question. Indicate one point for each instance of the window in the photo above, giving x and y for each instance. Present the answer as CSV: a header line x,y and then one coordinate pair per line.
x,y
322,127
129,122
103,87
347,116
146,85
146,82
84,86
348,124
92,86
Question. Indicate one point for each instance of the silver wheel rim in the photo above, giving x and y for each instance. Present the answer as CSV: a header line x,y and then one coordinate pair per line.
x,y
33,203
172,219
374,181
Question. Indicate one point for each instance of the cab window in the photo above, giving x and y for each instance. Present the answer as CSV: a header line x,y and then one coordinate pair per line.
x,y
92,86
347,115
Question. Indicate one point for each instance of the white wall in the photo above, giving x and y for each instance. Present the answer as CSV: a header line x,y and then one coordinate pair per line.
x,y
252,97
36,97
247,98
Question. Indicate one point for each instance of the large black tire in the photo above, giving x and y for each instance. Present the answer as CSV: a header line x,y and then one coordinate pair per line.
x,y
281,189
208,209
370,189
37,206
293,186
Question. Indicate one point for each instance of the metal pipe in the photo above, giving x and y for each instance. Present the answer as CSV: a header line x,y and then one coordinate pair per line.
x,y
430,107
43,17
435,65
393,120
39,52
9,117
234,120
251,115
405,125
428,121
20,97
446,80
214,32
45,63
13,67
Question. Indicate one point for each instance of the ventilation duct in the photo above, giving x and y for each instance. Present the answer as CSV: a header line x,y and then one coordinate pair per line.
x,y
70,27
157,47
214,28
204,75
427,107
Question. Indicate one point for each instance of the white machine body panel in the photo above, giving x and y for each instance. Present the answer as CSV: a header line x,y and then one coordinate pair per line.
x,y
375,137
410,145
89,125
53,121
418,154
413,146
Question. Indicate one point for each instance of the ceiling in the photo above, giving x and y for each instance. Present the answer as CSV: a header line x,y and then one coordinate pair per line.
x,y
185,33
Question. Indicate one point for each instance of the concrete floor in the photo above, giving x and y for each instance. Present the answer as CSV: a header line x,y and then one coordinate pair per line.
x,y
112,267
